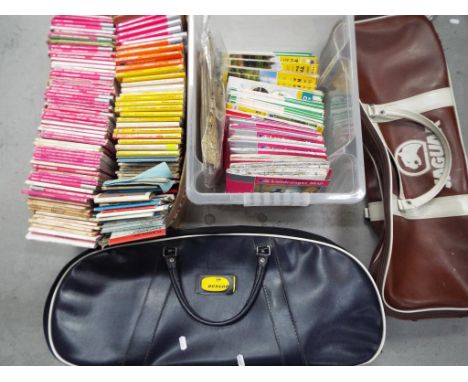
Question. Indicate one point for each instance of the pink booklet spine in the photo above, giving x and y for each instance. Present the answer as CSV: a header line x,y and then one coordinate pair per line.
x,y
62,180
143,30
71,138
43,167
60,195
140,22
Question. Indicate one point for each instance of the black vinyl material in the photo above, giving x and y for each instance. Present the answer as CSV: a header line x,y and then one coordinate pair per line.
x,y
315,304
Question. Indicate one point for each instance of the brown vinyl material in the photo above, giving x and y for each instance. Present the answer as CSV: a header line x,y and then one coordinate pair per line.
x,y
423,262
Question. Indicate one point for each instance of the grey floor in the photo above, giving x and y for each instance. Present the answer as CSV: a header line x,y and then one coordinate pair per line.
x,y
27,269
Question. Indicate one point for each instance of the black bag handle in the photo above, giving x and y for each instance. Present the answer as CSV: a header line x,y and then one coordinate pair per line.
x,y
170,256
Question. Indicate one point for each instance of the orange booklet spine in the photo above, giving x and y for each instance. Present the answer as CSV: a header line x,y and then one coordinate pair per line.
x,y
149,65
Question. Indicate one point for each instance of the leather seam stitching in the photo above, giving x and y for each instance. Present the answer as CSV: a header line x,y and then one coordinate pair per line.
x,y
153,337
275,332
385,246
150,284
286,300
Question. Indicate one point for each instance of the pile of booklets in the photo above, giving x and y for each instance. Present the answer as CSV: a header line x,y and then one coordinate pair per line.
x,y
275,123
73,153
150,68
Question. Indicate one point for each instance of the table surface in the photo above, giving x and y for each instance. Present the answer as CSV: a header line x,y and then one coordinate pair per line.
x,y
28,268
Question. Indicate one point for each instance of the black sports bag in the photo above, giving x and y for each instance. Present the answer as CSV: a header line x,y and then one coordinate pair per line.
x,y
216,296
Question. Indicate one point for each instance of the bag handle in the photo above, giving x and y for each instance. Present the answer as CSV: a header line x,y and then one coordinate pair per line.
x,y
380,114
170,256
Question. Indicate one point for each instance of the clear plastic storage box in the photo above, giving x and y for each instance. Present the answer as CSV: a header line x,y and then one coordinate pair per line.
x,y
332,37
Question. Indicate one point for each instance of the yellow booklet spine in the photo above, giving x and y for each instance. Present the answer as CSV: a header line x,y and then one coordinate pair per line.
x,y
151,96
149,153
149,141
300,68
146,103
151,109
154,77
155,114
296,80
163,147
152,71
148,119
148,130
298,59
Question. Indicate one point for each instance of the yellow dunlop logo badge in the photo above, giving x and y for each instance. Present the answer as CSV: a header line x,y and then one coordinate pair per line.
x,y
220,284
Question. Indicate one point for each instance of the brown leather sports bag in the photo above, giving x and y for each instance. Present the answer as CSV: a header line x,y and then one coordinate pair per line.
x,y
416,169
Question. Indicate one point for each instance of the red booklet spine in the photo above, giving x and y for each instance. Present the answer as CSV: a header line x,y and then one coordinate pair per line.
x,y
138,236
